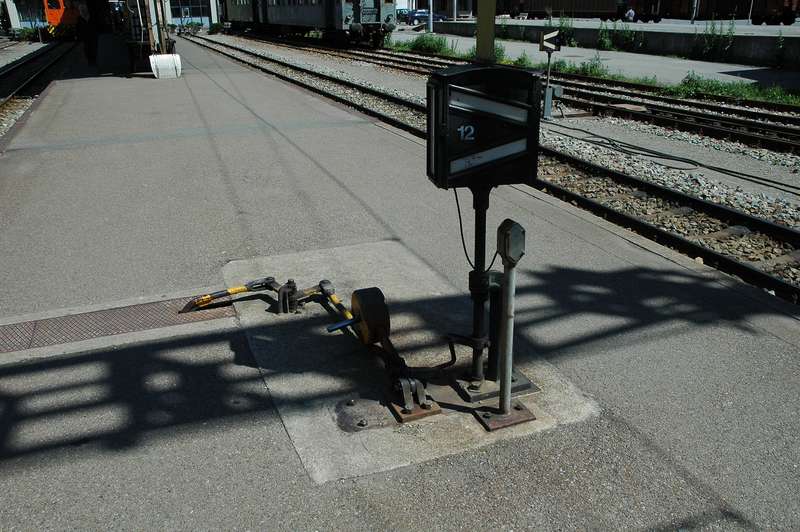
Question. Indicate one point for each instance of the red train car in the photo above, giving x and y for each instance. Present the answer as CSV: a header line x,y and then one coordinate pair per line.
x,y
60,13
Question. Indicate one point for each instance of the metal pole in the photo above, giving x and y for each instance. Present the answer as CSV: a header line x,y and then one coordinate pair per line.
x,y
485,38
549,55
495,317
431,5
479,287
455,10
507,336
511,247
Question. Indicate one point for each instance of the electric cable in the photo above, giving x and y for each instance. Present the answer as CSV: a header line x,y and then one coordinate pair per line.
x,y
461,230
463,242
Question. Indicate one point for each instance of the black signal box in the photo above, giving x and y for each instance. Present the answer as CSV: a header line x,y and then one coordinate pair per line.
x,y
483,126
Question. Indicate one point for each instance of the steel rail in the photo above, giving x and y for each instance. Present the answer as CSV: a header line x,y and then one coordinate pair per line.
x,y
751,114
406,65
709,125
771,106
745,271
752,118
349,84
33,77
732,121
24,60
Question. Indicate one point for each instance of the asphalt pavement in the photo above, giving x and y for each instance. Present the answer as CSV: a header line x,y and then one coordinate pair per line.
x,y
116,188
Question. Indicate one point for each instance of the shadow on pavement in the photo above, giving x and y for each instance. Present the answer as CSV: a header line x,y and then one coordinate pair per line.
x,y
768,77
117,397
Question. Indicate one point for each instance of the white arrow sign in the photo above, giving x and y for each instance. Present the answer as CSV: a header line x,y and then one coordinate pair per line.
x,y
546,46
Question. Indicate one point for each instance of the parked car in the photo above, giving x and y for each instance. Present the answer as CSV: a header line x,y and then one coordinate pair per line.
x,y
402,15
420,16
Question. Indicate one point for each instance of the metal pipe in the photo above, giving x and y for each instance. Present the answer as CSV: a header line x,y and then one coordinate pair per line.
x,y
495,316
506,347
479,287
485,25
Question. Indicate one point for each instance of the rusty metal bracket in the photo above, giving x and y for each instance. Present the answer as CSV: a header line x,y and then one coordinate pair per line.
x,y
414,401
492,420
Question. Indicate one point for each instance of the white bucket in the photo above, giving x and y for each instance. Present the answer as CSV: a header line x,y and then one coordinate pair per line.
x,y
166,66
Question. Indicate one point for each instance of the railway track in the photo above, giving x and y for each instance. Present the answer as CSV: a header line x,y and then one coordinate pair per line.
x,y
760,132
22,75
406,64
758,251
9,44
740,121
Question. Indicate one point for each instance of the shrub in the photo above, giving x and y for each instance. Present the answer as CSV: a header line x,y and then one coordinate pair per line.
x,y
566,30
27,34
604,41
713,44
694,86
429,44
214,28
523,61
593,67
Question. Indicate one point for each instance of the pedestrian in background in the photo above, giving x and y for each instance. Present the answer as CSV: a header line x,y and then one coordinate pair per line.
x,y
87,31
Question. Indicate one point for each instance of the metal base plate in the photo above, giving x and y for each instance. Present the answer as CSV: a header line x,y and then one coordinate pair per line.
x,y
417,413
492,420
520,384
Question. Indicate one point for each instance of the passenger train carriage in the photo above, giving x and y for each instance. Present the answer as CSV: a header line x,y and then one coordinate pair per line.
x,y
352,20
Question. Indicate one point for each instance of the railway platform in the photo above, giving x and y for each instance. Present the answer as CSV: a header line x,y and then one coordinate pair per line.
x,y
11,51
669,391
665,69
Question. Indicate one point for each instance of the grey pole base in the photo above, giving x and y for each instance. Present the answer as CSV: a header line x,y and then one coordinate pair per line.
x,y
520,385
492,420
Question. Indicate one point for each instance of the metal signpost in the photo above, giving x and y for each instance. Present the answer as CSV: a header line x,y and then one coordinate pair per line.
x,y
483,131
549,43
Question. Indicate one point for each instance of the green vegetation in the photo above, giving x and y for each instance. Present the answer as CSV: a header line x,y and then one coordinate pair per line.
x,y
713,44
691,86
694,86
438,45
523,61
620,37
566,30
27,34
214,28
426,44
780,52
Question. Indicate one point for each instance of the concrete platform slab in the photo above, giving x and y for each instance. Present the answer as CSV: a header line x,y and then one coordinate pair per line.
x,y
311,373
670,70
696,375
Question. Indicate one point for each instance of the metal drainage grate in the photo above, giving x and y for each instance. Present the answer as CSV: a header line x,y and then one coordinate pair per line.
x,y
77,327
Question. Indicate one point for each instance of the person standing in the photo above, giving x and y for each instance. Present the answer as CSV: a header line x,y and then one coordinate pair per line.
x,y
87,31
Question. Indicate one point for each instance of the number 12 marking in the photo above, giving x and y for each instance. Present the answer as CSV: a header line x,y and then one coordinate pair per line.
x,y
466,132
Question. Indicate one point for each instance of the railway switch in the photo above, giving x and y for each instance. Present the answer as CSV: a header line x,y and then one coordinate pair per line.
x,y
483,131
290,297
